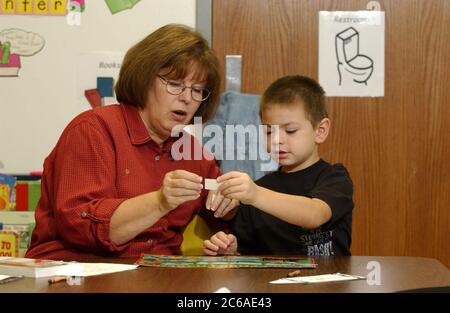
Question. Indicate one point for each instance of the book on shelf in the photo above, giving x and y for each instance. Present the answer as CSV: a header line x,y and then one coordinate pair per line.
x,y
38,268
9,243
23,232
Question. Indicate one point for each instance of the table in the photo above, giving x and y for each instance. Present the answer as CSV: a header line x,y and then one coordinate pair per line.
x,y
396,274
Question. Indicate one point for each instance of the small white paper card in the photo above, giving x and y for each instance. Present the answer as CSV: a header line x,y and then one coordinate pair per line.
x,y
211,184
4,277
223,290
93,269
316,279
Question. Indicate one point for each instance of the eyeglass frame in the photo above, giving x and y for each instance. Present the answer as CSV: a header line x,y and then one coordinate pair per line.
x,y
183,88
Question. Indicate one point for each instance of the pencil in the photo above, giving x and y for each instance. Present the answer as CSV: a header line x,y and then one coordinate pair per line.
x,y
294,273
57,279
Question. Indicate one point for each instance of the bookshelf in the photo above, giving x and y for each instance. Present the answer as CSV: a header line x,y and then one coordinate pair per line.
x,y
17,220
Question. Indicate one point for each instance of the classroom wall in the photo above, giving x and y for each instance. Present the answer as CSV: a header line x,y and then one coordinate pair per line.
x,y
36,106
397,147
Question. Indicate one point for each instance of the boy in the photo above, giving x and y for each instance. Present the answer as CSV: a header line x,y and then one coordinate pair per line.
x,y
305,208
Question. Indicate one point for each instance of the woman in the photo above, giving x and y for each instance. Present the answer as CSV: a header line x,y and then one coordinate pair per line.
x,y
110,187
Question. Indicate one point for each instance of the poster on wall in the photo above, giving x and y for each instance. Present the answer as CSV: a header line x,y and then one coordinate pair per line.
x,y
120,5
14,44
42,8
351,53
96,75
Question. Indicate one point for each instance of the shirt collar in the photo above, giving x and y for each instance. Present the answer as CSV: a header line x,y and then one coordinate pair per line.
x,y
136,128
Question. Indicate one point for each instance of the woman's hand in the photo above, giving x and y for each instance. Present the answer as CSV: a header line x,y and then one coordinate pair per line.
x,y
220,243
237,186
178,187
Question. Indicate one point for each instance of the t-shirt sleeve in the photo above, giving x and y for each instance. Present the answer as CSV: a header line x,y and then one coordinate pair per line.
x,y
335,188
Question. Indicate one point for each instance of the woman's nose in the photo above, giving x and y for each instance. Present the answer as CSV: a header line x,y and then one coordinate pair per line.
x,y
186,95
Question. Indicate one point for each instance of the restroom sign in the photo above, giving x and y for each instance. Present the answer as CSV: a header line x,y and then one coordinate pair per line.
x,y
351,53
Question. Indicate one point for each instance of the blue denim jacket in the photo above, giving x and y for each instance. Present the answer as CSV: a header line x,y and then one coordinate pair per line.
x,y
247,155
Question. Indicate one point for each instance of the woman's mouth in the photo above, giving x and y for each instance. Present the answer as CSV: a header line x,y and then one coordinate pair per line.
x,y
179,115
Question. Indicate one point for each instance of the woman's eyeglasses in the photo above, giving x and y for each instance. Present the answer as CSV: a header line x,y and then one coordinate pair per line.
x,y
175,88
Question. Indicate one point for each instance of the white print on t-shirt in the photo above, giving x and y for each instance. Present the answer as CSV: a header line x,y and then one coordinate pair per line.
x,y
318,242
321,249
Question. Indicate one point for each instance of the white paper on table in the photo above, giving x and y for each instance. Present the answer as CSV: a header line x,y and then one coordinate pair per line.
x,y
223,290
4,277
317,279
92,269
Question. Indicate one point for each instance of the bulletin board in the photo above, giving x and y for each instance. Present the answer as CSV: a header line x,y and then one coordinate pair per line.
x,y
42,88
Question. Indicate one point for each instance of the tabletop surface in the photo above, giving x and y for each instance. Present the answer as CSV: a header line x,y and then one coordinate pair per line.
x,y
385,274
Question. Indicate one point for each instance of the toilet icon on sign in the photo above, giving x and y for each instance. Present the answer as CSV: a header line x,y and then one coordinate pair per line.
x,y
351,65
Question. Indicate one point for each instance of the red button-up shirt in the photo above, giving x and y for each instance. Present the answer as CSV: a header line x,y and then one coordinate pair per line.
x,y
104,157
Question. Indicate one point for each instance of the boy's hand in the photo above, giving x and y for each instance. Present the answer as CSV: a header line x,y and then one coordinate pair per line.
x,y
237,186
220,243
218,203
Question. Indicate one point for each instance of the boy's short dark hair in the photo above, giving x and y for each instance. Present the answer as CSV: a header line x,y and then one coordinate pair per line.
x,y
297,89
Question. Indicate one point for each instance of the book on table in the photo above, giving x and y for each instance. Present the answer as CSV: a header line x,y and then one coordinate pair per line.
x,y
225,261
38,268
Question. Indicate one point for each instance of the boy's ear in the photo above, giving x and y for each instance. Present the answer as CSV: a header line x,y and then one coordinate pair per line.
x,y
322,130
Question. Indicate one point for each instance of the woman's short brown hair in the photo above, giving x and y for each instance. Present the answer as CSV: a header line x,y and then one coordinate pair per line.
x,y
178,49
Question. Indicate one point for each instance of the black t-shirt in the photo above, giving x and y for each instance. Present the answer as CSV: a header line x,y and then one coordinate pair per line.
x,y
259,233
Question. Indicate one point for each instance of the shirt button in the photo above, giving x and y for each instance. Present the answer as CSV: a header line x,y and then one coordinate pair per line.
x,y
150,241
157,158
83,214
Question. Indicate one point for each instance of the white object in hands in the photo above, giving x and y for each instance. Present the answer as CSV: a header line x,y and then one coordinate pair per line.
x,y
211,184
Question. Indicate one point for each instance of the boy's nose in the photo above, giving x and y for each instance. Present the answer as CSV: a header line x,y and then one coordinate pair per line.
x,y
279,137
